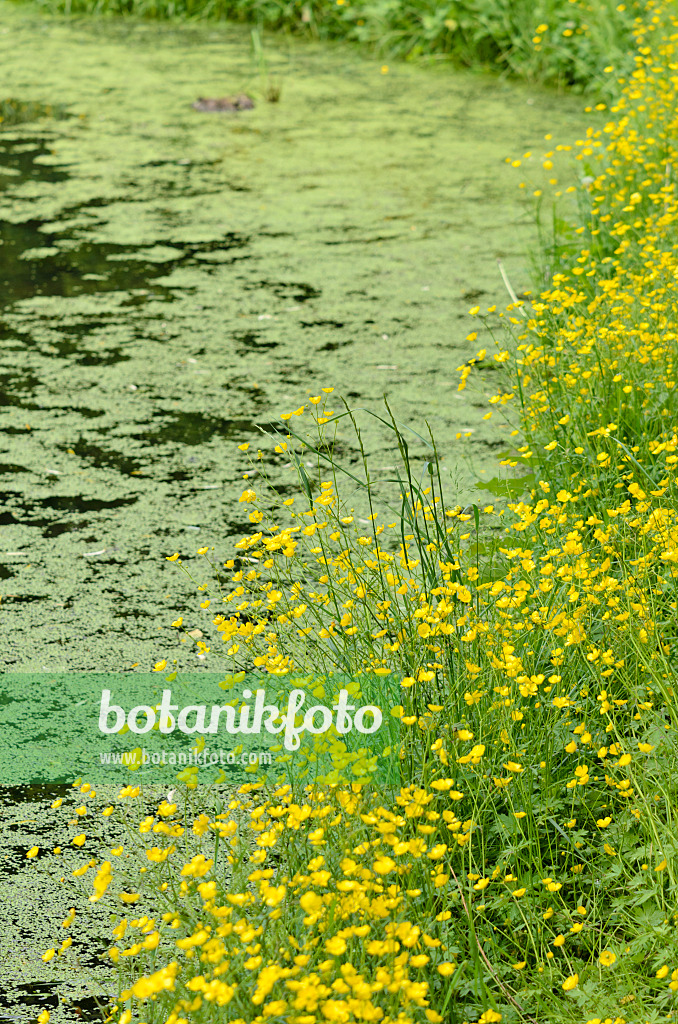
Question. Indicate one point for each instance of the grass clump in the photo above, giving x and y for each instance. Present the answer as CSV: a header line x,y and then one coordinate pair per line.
x,y
524,866
566,44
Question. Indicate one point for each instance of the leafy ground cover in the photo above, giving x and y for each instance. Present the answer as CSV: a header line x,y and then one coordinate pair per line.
x,y
524,867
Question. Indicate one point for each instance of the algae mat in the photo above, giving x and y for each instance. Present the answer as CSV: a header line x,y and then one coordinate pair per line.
x,y
168,279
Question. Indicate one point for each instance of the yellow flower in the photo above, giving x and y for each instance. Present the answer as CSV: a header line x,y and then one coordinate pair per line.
x,y
335,946
446,969
607,958
383,865
570,982
157,856
33,852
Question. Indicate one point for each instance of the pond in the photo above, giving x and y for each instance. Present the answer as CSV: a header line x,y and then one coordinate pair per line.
x,y
170,278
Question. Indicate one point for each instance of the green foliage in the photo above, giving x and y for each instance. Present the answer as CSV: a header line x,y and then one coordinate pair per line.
x,y
547,41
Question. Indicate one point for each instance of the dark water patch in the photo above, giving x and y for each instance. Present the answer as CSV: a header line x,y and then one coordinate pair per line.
x,y
6,573
180,475
32,265
321,323
332,346
295,291
9,468
37,993
21,159
493,445
114,355
31,793
83,410
252,341
363,241
76,503
37,259
90,268
50,530
44,995
69,512
90,1008
137,614
100,457
194,428
14,385
70,338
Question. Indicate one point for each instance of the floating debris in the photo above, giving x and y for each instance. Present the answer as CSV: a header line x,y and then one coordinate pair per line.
x,y
223,103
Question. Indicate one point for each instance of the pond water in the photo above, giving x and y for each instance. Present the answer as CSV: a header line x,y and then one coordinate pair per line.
x,y
169,279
